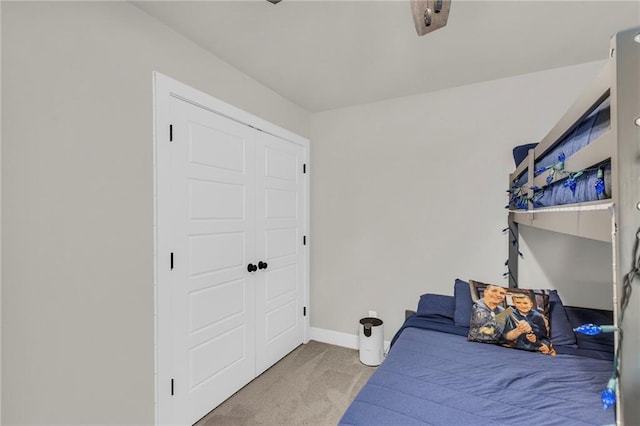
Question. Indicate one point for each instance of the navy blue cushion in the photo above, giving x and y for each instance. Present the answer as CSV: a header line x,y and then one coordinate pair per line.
x,y
463,302
520,152
436,305
561,330
600,342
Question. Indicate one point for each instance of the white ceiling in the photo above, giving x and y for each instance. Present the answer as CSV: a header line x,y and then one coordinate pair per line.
x,y
329,54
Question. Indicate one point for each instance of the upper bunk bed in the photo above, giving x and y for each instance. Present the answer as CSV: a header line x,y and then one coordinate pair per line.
x,y
583,179
569,171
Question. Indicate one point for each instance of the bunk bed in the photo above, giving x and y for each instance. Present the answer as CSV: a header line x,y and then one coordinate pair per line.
x,y
434,375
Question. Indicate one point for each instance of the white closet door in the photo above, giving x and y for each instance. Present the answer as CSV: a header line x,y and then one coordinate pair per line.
x,y
213,299
279,232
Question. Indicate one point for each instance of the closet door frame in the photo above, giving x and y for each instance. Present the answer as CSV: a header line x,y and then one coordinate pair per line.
x,y
164,88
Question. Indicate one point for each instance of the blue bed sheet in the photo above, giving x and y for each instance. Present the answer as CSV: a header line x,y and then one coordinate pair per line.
x,y
431,377
559,194
587,130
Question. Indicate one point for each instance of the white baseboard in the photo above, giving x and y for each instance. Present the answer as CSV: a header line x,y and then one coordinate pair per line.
x,y
338,338
333,337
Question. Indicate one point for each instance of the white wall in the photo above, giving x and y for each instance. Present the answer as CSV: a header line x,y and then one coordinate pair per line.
x,y
550,261
409,194
77,181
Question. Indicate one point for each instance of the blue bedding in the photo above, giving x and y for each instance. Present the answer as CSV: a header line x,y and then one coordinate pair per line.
x,y
587,130
438,378
558,193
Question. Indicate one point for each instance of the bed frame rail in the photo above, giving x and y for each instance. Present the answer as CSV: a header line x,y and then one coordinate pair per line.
x,y
625,123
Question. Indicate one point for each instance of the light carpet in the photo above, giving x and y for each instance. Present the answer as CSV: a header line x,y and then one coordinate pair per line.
x,y
313,385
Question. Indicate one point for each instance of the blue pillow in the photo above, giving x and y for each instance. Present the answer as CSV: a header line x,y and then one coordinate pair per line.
x,y
436,304
463,302
520,152
600,342
561,330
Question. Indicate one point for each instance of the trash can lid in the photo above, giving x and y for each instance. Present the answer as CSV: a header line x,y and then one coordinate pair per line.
x,y
373,321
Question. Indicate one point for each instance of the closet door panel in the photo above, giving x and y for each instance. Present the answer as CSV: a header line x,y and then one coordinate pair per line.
x,y
279,232
213,299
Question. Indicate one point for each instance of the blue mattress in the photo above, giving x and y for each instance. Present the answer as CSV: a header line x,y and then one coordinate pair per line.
x,y
559,194
437,378
590,128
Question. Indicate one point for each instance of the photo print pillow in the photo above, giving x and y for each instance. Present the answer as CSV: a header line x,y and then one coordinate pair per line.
x,y
513,317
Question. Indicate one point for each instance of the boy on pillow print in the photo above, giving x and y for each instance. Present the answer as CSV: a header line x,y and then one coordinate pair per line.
x,y
537,339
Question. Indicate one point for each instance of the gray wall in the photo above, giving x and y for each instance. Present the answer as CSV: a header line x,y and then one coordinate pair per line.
x,y
77,181
409,194
550,261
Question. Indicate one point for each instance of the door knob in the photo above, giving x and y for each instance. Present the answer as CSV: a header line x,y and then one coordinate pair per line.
x,y
262,265
251,267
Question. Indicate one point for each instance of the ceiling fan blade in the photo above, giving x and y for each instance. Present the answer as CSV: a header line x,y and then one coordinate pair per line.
x,y
430,15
